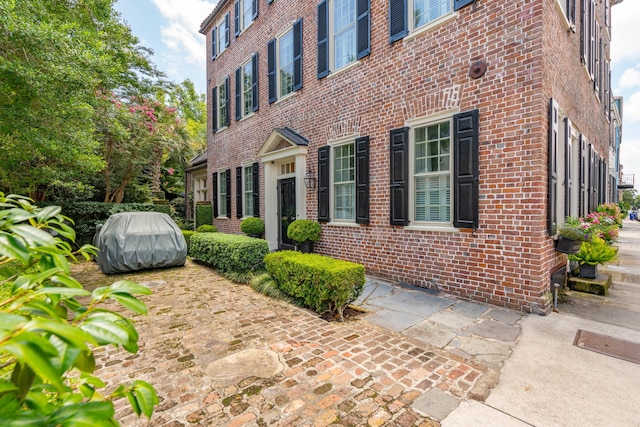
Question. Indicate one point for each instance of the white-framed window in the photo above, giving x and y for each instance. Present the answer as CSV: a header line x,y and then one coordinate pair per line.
x,y
247,189
285,64
223,209
247,92
343,173
343,32
223,104
423,12
246,12
200,189
431,172
223,34
220,37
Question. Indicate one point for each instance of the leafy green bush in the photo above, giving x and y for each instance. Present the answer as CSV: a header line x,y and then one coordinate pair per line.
x,y
229,253
304,230
47,336
252,226
187,236
204,213
320,282
206,228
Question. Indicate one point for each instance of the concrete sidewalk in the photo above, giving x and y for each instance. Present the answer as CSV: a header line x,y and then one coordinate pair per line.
x,y
548,381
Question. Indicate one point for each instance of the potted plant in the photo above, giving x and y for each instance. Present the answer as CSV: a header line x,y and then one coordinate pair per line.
x,y
252,226
593,252
304,232
570,236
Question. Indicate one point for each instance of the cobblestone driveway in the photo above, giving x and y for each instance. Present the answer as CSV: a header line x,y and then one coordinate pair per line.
x,y
352,373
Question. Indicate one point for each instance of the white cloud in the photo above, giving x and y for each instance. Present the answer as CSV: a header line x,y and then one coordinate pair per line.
x,y
624,30
181,35
630,78
631,109
630,157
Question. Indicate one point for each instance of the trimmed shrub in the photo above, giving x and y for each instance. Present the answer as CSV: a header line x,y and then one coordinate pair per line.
x,y
252,226
187,236
320,282
229,253
204,213
206,228
304,230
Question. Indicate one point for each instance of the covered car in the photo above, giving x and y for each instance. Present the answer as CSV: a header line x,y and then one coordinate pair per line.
x,y
131,241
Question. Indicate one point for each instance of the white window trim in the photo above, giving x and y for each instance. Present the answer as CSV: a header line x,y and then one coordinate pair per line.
x,y
422,122
279,36
344,69
334,143
417,32
331,39
243,27
244,194
221,47
218,116
221,175
242,100
565,21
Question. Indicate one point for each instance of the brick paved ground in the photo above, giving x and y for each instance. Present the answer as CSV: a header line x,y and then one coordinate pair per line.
x,y
352,373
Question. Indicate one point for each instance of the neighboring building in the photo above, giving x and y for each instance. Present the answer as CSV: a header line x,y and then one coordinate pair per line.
x,y
439,142
195,183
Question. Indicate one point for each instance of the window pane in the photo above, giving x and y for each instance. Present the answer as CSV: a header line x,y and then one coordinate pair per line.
x,y
425,11
286,63
222,105
247,14
431,181
222,179
344,30
247,82
344,182
248,191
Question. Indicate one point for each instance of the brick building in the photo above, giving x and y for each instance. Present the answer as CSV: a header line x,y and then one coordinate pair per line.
x,y
438,142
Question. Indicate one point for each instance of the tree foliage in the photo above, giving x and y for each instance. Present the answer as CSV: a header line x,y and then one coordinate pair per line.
x,y
54,56
47,335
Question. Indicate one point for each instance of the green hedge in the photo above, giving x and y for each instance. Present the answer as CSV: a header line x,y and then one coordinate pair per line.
x,y
187,237
229,253
319,282
88,215
204,214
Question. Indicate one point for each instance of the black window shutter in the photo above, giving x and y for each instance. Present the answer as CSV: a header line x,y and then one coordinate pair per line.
x,y
255,9
256,189
466,169
236,18
362,180
297,55
239,93
214,108
228,179
568,191
323,39
459,4
227,101
399,144
323,184
552,211
214,184
239,192
363,29
271,70
254,86
398,20
214,52
226,30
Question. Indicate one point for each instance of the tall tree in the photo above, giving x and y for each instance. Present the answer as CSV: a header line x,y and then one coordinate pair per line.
x,y
55,56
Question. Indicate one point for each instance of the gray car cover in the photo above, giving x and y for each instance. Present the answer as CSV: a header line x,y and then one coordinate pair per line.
x,y
131,241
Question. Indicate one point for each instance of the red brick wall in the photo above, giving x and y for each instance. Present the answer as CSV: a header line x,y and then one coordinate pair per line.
x,y
530,57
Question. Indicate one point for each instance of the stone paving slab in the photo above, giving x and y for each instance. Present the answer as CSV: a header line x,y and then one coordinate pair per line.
x,y
351,373
413,302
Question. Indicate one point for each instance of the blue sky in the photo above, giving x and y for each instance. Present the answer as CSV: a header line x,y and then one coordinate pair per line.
x,y
170,28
